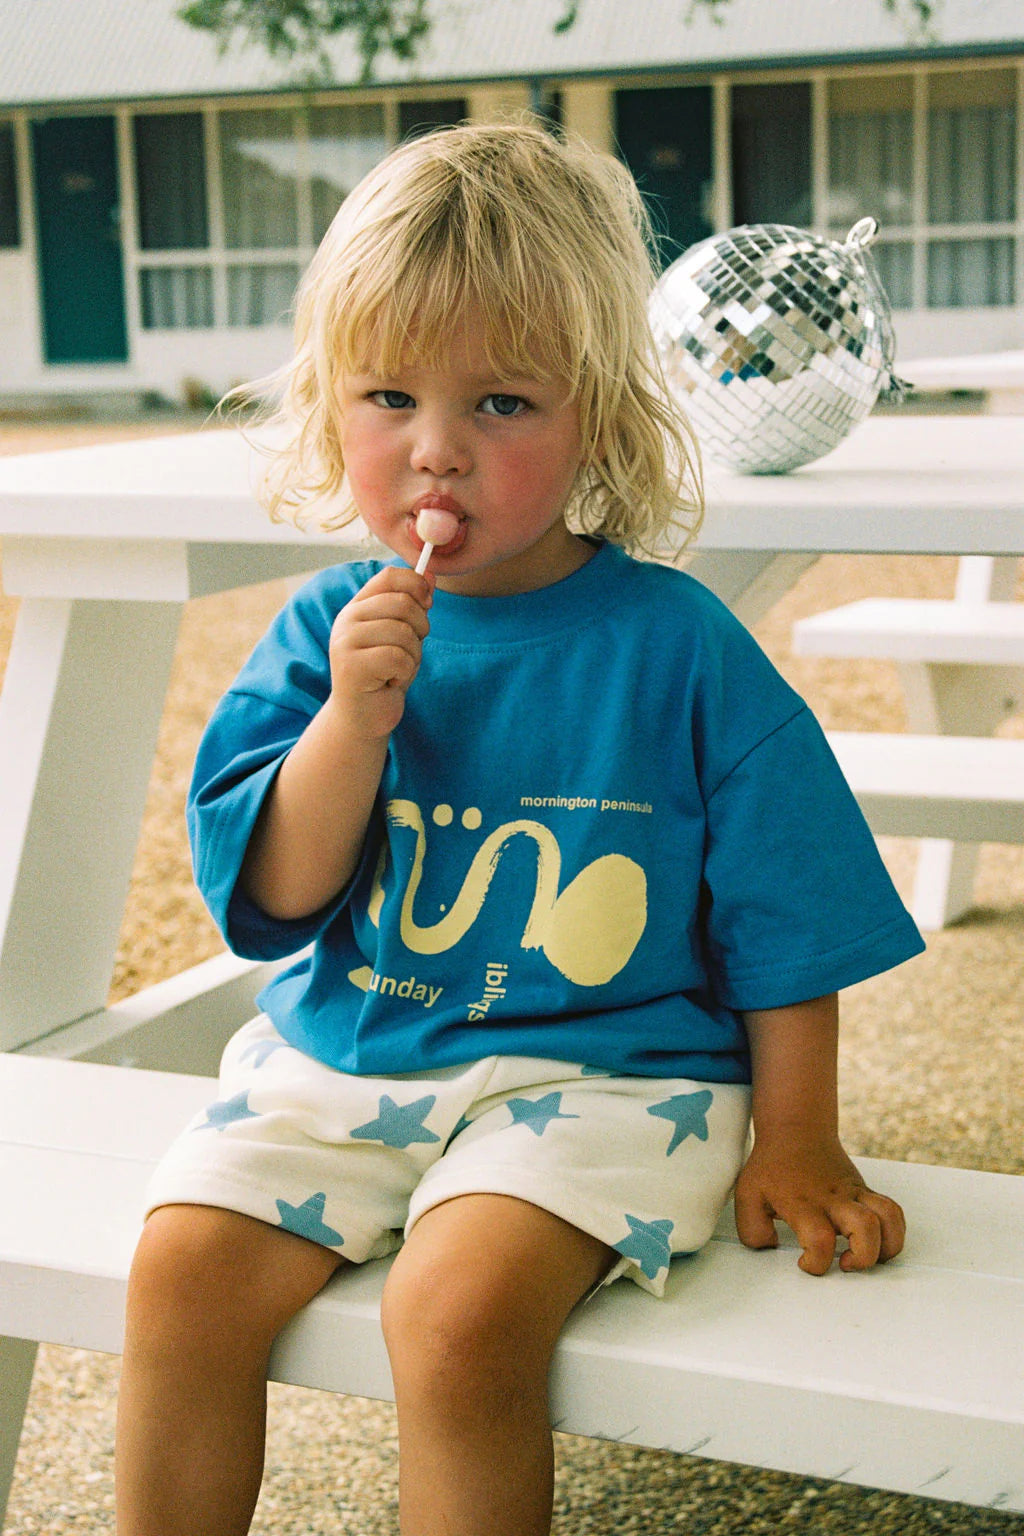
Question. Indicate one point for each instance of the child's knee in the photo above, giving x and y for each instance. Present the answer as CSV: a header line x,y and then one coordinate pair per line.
x,y
202,1270
453,1330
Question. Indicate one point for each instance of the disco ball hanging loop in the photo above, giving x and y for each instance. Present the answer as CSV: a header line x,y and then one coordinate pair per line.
x,y
777,342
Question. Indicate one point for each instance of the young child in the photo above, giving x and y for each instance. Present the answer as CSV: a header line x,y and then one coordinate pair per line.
x,y
575,877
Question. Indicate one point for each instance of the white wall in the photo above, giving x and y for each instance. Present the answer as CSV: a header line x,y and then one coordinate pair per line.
x,y
957,332
19,321
215,360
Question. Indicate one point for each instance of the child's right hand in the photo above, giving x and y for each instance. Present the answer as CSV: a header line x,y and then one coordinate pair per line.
x,y
375,649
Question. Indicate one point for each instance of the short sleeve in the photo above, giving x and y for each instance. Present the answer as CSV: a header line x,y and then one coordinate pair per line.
x,y
798,902
278,692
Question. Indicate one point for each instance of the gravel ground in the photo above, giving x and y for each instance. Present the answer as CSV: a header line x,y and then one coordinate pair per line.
x,y
929,1059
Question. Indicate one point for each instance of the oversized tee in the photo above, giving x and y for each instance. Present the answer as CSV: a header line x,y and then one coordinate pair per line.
x,y
606,826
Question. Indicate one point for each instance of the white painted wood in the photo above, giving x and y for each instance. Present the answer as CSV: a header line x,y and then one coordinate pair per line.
x,y
82,568
917,629
985,579
933,786
908,1378
178,1025
943,882
166,571
79,713
912,485
961,665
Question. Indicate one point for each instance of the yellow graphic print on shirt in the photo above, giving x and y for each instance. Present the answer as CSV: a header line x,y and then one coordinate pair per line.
x,y
588,931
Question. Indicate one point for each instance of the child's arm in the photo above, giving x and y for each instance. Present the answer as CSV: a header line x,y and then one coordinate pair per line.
x,y
309,836
798,1170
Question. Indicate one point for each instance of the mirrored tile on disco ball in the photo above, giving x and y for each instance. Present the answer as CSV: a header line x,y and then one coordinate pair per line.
x,y
776,342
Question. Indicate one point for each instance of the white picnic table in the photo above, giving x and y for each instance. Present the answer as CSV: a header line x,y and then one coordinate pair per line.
x,y
104,545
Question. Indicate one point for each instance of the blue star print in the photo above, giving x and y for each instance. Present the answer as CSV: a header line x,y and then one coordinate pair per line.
x,y
647,1243
228,1112
688,1112
260,1050
307,1220
538,1113
399,1125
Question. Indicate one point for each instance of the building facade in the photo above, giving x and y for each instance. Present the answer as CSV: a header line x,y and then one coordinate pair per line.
x,y
152,241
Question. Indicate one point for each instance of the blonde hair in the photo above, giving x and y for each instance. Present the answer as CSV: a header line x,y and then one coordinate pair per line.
x,y
549,243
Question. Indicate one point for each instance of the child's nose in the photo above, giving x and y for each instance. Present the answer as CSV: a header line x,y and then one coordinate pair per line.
x,y
440,448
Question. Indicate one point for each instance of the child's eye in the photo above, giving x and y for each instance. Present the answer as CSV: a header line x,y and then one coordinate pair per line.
x,y
392,399
503,405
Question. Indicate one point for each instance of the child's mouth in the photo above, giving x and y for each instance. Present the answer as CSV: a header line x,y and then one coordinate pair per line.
x,y
450,546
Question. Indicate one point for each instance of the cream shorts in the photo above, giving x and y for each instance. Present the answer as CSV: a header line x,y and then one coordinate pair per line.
x,y
643,1164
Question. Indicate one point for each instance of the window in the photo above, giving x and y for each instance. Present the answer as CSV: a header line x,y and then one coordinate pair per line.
x,y
416,117
10,233
283,175
871,171
259,175
771,154
171,177
971,168
344,143
947,235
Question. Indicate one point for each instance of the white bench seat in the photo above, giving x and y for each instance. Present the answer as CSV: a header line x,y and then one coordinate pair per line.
x,y
961,665
910,1378
917,629
966,787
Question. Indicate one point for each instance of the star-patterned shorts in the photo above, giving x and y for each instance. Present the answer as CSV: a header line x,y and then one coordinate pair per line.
x,y
644,1164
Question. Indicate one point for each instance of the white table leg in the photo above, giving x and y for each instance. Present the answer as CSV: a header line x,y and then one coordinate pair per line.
x,y
967,700
750,580
17,1362
79,715
968,703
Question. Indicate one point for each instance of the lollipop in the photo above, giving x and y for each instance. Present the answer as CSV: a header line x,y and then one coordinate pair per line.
x,y
434,526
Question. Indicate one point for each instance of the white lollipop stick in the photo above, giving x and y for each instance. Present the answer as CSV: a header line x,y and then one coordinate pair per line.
x,y
424,559
434,526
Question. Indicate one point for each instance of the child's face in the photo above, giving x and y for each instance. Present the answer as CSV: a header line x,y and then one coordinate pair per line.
x,y
502,453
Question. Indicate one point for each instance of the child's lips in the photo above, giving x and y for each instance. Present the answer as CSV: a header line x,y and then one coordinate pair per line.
x,y
440,504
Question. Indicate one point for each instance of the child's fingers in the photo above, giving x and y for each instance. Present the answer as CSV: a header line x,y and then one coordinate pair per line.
x,y
398,579
755,1222
875,1229
816,1233
399,607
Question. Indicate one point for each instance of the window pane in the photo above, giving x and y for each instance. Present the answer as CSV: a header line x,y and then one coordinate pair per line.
x,y
771,154
971,155
176,298
344,143
261,295
416,117
895,265
170,173
259,163
871,161
965,274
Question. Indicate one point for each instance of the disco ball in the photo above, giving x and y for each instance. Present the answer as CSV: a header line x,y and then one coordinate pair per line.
x,y
777,342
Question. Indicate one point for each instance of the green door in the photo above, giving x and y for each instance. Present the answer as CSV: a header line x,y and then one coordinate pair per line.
x,y
664,136
80,268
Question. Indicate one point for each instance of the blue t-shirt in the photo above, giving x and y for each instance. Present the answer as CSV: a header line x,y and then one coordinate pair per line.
x,y
606,825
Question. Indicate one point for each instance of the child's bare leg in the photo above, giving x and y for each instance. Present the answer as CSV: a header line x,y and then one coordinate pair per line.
x,y
209,1291
472,1311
